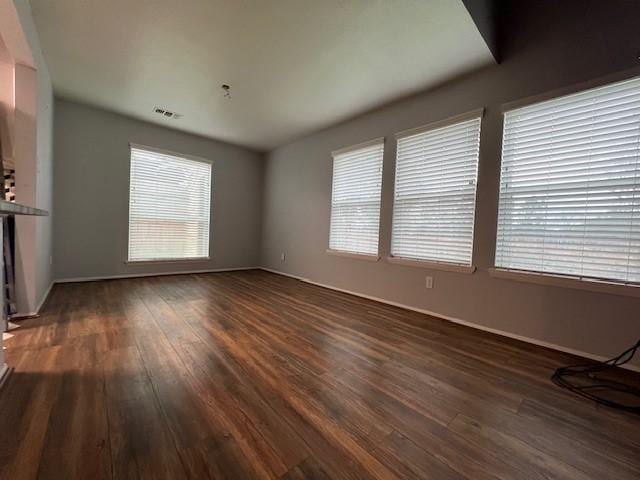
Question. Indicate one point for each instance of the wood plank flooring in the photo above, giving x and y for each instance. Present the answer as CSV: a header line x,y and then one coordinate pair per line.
x,y
253,375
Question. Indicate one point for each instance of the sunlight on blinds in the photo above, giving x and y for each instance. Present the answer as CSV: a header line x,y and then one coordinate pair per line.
x,y
169,205
355,200
435,194
570,185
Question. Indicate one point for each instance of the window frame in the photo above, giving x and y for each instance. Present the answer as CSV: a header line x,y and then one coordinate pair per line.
x,y
194,158
593,284
344,253
427,263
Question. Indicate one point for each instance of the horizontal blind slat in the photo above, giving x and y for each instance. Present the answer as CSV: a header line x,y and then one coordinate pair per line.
x,y
570,185
435,190
169,207
355,200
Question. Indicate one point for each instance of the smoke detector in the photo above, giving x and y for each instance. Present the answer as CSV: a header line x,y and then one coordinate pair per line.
x,y
167,113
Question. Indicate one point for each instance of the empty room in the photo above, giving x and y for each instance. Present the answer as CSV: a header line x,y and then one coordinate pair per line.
x,y
320,239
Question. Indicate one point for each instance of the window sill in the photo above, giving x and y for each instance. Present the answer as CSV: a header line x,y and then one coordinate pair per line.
x,y
358,256
447,267
168,260
600,286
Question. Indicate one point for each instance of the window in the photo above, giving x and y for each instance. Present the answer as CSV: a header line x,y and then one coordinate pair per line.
x,y
355,199
435,193
169,198
570,185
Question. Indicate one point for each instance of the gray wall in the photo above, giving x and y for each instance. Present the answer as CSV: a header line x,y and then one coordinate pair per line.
x,y
44,186
91,175
548,45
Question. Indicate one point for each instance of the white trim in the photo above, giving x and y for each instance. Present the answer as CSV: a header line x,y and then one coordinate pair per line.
x,y
571,89
5,372
44,297
432,265
156,274
463,117
211,193
567,281
368,143
472,116
552,346
162,151
24,315
168,260
36,312
358,256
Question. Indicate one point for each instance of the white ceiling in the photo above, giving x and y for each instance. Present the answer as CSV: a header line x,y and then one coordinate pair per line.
x,y
294,66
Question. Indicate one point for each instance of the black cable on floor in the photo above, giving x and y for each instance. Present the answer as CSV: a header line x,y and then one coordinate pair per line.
x,y
584,380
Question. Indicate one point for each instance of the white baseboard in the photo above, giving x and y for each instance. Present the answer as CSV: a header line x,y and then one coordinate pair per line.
x,y
45,297
137,275
36,312
5,371
503,333
24,315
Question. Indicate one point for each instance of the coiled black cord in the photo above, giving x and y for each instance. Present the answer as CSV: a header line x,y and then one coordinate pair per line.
x,y
582,380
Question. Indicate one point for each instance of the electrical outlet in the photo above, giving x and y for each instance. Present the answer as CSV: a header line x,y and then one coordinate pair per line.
x,y
282,257
428,282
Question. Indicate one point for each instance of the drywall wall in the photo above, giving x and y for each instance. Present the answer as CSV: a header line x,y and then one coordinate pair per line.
x,y
36,251
91,196
6,109
25,153
6,150
485,14
44,186
25,100
31,150
548,45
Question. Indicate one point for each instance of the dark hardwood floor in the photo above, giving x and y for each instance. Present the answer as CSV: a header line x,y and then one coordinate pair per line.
x,y
254,375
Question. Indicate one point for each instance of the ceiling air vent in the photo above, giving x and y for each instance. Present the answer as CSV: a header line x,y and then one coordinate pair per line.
x,y
167,113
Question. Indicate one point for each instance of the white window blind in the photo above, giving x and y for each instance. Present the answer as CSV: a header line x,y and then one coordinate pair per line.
x,y
570,185
435,193
355,199
169,201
